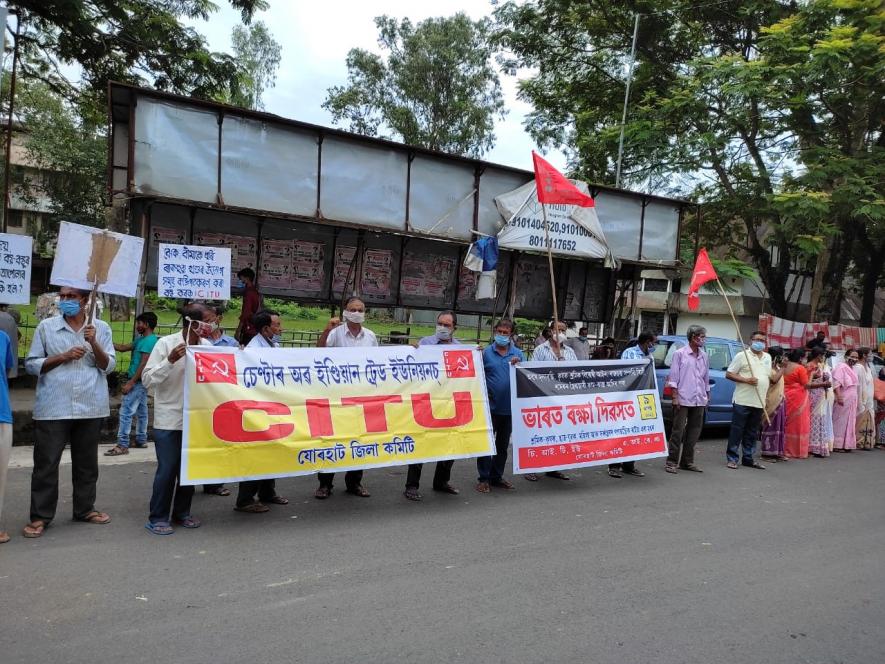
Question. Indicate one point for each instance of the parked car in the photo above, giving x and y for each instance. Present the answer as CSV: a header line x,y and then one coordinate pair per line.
x,y
720,353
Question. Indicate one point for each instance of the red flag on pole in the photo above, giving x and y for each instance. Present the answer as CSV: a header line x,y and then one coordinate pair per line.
x,y
703,272
554,187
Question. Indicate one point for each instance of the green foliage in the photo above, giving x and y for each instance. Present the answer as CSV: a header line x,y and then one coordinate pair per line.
x,y
435,87
258,58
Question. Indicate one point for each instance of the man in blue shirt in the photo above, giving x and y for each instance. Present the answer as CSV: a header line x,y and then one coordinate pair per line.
x,y
497,358
135,394
9,363
645,346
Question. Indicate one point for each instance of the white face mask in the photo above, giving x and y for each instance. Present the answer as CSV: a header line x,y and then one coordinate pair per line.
x,y
443,332
561,337
357,317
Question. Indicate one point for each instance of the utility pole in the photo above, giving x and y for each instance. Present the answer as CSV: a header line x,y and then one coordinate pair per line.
x,y
6,170
627,100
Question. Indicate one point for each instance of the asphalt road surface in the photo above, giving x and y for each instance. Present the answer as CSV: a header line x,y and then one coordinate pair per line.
x,y
777,566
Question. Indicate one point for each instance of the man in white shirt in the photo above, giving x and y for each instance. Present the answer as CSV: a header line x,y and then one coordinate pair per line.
x,y
253,495
350,334
163,376
751,370
553,350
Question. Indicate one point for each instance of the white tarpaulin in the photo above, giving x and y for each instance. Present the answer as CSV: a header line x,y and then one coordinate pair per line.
x,y
574,231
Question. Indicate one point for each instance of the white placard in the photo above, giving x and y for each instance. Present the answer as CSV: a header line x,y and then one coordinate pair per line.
x,y
73,255
193,272
15,268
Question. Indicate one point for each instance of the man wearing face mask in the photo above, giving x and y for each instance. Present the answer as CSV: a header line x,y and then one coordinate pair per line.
x,y
351,334
254,495
580,345
163,376
496,359
553,350
72,358
689,382
643,350
446,324
751,370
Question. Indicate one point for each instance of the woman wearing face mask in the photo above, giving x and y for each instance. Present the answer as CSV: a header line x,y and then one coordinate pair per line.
x,y
776,409
351,334
821,436
845,408
797,425
866,403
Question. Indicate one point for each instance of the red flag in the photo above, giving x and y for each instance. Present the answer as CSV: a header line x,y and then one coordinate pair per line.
x,y
554,187
703,272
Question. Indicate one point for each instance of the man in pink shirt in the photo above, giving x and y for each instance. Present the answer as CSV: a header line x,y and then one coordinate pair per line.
x,y
689,381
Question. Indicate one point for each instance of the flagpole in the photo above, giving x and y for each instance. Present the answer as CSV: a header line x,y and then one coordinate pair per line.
x,y
741,339
552,278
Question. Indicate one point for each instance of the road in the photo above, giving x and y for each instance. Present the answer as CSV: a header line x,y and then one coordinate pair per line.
x,y
783,565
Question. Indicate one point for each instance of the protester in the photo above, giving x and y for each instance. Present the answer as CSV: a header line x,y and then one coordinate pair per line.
x,y
254,495
643,350
553,350
496,359
72,358
819,341
845,407
751,370
866,403
9,324
9,362
163,376
797,424
689,382
219,338
605,350
580,345
879,393
135,396
446,324
251,305
351,334
776,412
820,438
544,335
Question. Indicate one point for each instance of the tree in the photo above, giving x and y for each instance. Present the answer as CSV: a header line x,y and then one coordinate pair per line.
x,y
258,58
770,113
436,87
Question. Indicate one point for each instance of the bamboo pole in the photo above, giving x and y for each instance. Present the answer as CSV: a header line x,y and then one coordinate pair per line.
x,y
552,278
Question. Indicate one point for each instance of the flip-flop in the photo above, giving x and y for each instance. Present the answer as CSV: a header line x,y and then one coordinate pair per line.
x,y
188,522
277,500
448,488
483,487
253,508
4,537
220,491
360,491
159,528
412,494
117,450
32,531
94,517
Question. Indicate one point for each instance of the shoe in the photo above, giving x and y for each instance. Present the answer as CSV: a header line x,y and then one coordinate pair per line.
x,y
531,477
447,488
559,475
503,484
614,472
755,464
635,473
691,467
138,446
483,487
671,469
277,500
322,492
411,493
732,465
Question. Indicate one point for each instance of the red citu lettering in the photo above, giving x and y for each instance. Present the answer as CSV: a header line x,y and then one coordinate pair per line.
x,y
422,409
373,410
227,421
319,417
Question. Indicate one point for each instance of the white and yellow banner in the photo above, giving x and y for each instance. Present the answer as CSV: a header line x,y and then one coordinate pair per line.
x,y
278,412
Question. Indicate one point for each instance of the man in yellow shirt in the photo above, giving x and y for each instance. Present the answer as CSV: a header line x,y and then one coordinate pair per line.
x,y
751,370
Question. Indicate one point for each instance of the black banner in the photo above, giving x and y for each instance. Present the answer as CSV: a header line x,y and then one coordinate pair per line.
x,y
591,377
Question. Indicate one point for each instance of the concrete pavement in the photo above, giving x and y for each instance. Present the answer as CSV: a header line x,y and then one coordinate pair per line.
x,y
783,565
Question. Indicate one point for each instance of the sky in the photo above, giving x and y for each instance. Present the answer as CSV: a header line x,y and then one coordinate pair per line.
x,y
315,38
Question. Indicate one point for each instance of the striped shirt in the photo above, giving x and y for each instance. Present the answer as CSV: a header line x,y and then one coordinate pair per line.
x,y
634,353
75,390
544,353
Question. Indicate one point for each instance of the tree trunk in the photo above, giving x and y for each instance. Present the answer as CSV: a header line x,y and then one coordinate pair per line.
x,y
817,282
870,284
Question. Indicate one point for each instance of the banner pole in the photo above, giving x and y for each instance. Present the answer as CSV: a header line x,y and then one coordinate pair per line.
x,y
741,339
552,277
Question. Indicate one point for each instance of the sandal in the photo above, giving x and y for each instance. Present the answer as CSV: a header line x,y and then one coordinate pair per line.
x,y
671,469
358,491
503,484
411,493
4,537
635,472
217,491
117,450
159,528
447,488
34,529
97,518
483,487
732,465
188,522
322,492
531,477
253,508
277,500
559,475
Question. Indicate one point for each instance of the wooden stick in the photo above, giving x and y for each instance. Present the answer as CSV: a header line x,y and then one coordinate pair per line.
x,y
746,354
552,277
90,319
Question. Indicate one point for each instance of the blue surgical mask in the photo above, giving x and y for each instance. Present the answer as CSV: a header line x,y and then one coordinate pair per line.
x,y
582,338
276,339
502,340
69,307
757,346
652,349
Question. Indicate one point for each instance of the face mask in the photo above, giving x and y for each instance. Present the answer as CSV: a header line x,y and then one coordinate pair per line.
x,y
444,333
357,317
69,307
276,339
757,346
203,330
652,349
561,338
583,339
502,340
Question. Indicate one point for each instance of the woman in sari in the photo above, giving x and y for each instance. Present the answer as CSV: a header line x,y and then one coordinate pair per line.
x,y
879,394
821,436
866,404
776,411
797,425
845,408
